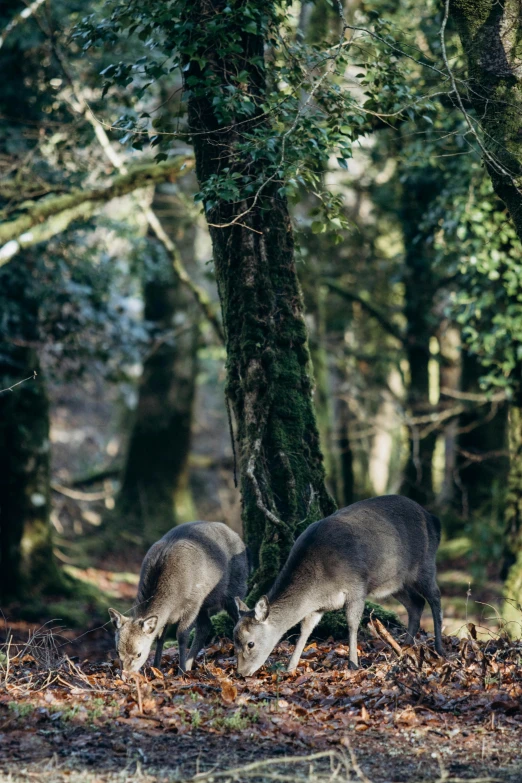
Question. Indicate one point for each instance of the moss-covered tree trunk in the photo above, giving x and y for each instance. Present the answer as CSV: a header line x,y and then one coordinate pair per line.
x,y
491,35
27,563
269,381
155,493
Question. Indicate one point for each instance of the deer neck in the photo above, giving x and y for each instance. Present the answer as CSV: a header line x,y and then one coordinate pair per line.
x,y
289,608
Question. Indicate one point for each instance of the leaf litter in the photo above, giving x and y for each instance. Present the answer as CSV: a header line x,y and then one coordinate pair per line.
x,y
406,715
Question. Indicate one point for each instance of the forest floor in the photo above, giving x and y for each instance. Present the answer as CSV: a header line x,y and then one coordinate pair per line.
x,y
406,715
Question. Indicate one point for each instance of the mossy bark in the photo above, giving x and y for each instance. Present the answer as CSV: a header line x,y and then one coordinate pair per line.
x,y
491,35
50,216
269,381
27,563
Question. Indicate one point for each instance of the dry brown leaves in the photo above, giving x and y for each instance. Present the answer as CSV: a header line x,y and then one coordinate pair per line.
x,y
476,683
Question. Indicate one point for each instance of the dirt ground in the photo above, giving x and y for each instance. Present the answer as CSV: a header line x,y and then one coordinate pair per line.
x,y
406,715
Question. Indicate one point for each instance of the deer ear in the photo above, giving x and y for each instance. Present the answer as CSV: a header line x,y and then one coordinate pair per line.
x,y
262,609
117,619
149,625
242,608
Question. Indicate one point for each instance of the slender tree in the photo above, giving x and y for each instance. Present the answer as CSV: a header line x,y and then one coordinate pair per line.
x,y
418,191
155,495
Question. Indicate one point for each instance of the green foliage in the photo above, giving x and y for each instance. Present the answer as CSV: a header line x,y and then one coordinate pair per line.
x,y
295,114
475,239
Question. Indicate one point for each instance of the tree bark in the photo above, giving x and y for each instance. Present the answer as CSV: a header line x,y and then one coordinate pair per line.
x,y
490,32
269,384
27,563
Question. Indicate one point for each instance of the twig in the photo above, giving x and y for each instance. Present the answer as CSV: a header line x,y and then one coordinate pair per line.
x,y
75,494
385,635
30,378
255,765
487,155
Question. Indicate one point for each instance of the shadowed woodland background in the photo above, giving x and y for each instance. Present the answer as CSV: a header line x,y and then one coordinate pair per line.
x,y
408,262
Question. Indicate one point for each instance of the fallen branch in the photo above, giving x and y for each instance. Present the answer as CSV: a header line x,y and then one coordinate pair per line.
x,y
256,765
379,630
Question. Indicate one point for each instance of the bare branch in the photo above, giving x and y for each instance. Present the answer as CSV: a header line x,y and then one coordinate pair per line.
x,y
21,17
10,388
370,309
81,106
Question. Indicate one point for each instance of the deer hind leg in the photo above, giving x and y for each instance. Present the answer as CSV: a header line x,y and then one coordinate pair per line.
x,y
354,611
414,604
182,635
430,590
307,626
203,627
160,641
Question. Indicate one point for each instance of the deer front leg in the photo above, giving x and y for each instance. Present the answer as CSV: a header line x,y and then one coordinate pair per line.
x,y
307,626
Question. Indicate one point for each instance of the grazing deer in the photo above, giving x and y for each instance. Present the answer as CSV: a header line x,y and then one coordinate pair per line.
x,y
194,571
382,546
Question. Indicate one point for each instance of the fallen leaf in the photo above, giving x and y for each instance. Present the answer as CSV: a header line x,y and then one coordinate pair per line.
x,y
228,692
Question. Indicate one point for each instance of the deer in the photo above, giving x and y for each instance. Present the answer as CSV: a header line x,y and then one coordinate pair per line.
x,y
384,546
193,572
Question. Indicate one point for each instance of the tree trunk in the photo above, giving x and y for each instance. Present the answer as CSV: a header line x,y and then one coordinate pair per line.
x,y
482,462
155,493
314,308
490,31
513,560
346,481
420,285
27,563
269,384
